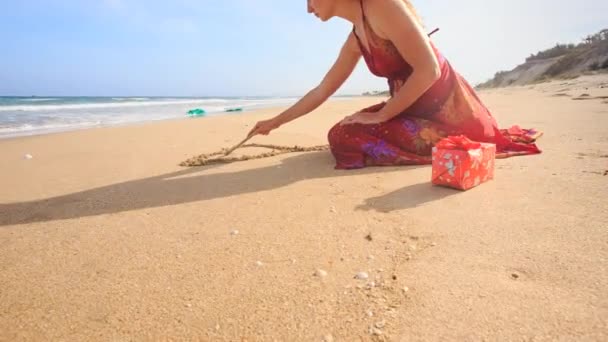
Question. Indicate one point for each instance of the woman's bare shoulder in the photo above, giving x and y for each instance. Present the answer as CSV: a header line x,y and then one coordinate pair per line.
x,y
383,14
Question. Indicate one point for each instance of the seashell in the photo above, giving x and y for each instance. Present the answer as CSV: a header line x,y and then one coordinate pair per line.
x,y
375,331
362,276
320,273
328,338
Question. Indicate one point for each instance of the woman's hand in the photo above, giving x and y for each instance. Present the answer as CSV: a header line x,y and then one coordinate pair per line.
x,y
365,118
264,127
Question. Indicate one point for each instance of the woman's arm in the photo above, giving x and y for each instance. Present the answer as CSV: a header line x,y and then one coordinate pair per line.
x,y
394,21
399,25
343,67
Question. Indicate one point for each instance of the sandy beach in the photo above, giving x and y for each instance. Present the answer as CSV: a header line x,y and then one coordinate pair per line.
x,y
103,236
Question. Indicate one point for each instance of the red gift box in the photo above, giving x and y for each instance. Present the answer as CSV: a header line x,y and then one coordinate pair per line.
x,y
462,163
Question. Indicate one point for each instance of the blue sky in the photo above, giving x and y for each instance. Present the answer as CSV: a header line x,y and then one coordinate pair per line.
x,y
248,47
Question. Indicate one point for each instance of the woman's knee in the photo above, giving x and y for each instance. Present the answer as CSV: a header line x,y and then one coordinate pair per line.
x,y
334,134
340,134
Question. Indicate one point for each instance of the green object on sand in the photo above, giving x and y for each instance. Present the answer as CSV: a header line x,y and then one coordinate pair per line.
x,y
230,110
196,112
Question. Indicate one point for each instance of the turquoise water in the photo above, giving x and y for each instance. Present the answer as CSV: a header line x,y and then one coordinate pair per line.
x,y
39,115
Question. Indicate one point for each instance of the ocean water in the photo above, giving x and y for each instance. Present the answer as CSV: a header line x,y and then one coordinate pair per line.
x,y
21,116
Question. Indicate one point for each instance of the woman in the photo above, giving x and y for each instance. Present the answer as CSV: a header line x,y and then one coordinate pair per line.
x,y
428,101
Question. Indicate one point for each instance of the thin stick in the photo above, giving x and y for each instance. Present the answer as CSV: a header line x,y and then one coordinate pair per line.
x,y
237,146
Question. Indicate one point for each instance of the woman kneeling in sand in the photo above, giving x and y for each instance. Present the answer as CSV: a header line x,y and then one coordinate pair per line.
x,y
428,99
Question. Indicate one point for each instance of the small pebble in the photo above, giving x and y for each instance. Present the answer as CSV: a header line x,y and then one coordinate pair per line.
x,y
371,285
405,289
234,232
28,156
370,313
259,263
380,324
362,276
320,273
188,305
333,209
217,327
434,244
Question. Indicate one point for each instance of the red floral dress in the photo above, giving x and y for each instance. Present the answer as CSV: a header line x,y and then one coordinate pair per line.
x,y
449,107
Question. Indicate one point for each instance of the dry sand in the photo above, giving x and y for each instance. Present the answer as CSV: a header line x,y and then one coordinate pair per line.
x,y
104,237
